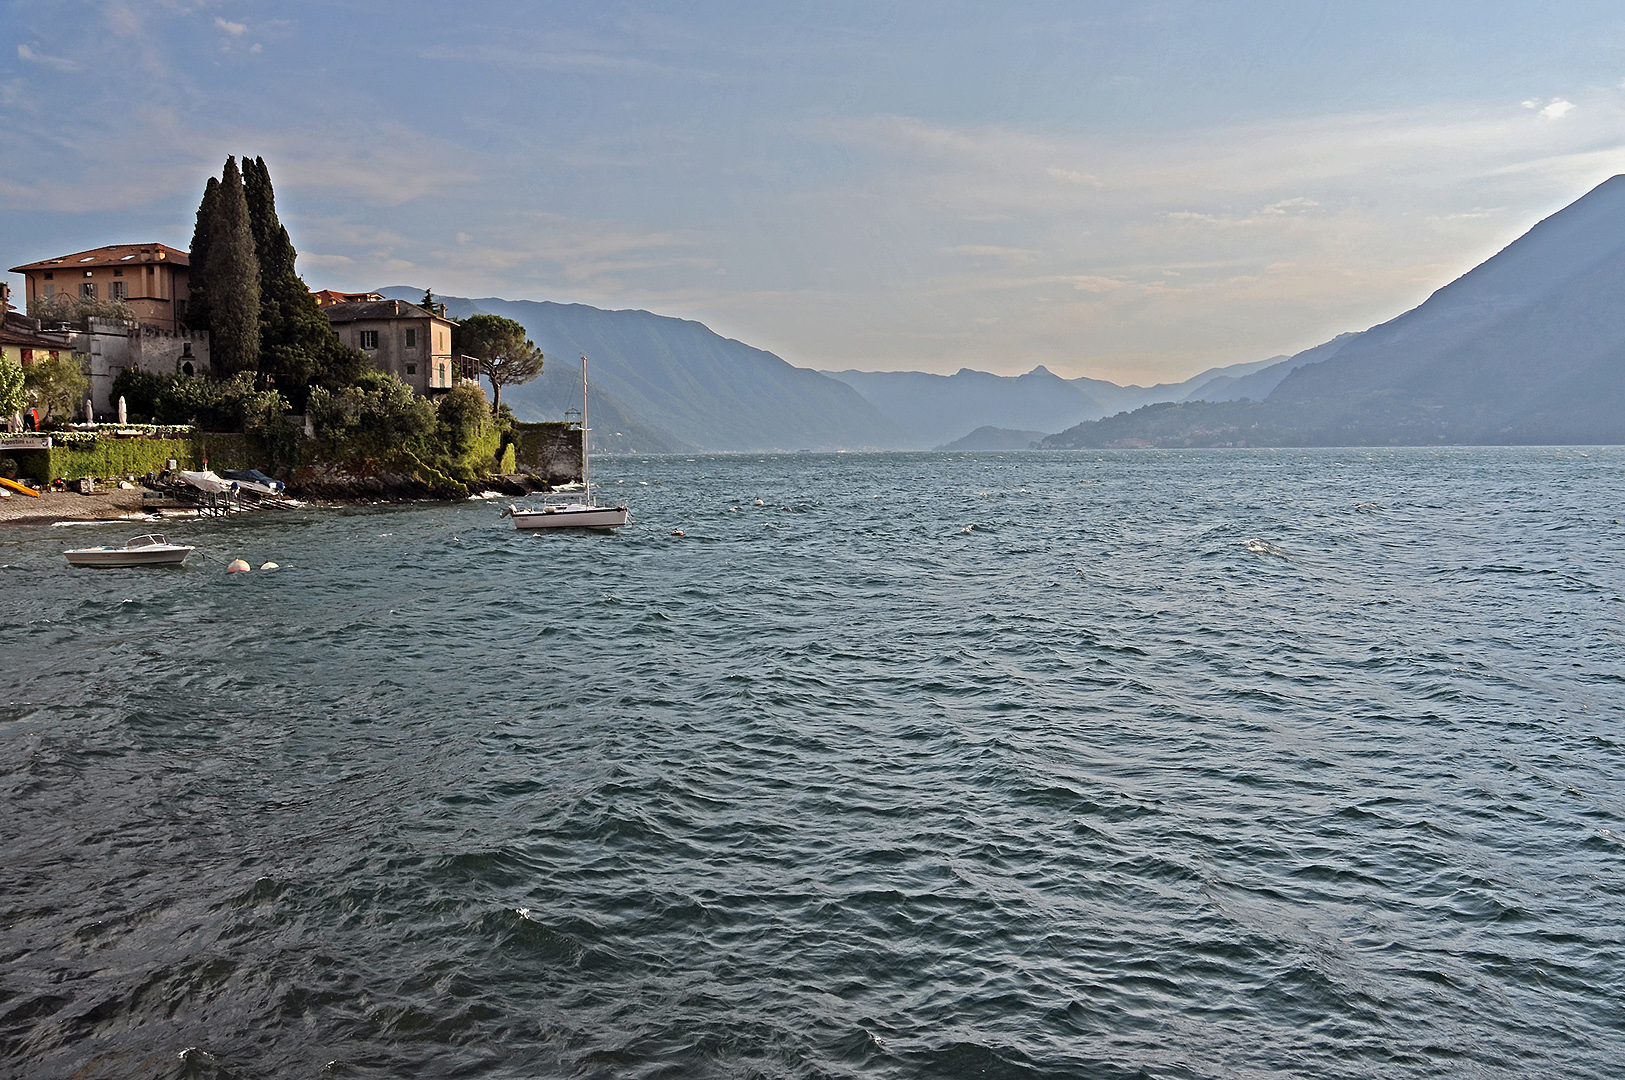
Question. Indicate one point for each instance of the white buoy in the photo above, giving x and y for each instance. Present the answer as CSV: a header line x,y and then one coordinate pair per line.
x,y
268,566
238,566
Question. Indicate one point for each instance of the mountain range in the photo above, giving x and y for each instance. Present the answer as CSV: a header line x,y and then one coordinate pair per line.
x,y
664,385
1527,347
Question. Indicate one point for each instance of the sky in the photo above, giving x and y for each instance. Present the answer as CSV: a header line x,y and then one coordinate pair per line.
x,y
1130,191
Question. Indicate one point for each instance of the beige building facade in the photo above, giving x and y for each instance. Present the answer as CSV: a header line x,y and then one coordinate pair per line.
x,y
150,279
402,339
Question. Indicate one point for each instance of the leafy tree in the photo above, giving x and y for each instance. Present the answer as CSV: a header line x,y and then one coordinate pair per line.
x,y
464,418
231,279
269,433
375,419
197,275
75,310
505,356
12,396
230,405
55,386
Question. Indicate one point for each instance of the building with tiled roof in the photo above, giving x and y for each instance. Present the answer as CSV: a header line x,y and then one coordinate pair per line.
x,y
400,338
327,297
150,279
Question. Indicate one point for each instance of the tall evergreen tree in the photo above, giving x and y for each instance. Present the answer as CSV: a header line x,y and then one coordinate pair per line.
x,y
197,303
232,279
297,343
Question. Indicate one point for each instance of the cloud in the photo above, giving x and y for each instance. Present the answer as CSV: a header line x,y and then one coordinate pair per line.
x,y
1086,283
55,63
235,29
1552,109
1282,232
1073,177
992,251
582,61
312,258
381,162
1286,206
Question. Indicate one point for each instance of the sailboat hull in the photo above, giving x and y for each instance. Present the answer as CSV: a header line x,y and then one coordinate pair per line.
x,y
571,517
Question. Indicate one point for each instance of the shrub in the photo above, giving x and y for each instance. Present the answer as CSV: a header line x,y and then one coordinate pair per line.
x,y
12,396
373,420
75,310
209,405
55,386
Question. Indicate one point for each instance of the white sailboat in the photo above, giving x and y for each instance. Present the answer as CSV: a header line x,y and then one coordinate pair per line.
x,y
582,515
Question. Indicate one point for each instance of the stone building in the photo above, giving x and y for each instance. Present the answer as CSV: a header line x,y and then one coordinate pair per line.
x,y
106,347
401,339
149,279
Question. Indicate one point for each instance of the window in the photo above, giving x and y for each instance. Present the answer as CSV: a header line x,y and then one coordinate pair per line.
x,y
90,273
411,338
443,381
115,291
369,339
49,274
88,289
180,309
50,291
28,356
118,271
411,369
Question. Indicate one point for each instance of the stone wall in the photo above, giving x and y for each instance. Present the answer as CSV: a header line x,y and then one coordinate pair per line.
x,y
107,346
550,451
169,352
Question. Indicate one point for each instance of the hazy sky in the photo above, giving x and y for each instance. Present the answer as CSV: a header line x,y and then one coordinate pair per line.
x,y
1130,191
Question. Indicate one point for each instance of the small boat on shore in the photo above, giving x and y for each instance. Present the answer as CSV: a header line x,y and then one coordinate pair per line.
x,y
149,550
207,481
582,515
21,489
255,481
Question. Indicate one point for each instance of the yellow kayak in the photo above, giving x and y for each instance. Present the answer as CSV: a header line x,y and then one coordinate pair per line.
x,y
21,489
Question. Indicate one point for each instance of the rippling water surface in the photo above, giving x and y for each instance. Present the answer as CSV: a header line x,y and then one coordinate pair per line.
x,y
1214,764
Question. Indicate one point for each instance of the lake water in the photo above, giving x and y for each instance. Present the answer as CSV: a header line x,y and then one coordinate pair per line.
x,y
1138,764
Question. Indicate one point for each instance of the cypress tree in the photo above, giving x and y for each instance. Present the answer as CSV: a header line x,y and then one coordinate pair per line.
x,y
232,278
274,252
297,343
197,302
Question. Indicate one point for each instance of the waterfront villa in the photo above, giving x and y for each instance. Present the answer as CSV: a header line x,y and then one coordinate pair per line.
x,y
149,279
400,338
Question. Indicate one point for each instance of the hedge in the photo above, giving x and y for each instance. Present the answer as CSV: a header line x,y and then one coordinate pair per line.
x,y
109,457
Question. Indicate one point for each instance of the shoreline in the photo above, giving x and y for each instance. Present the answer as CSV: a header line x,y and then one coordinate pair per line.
x,y
112,505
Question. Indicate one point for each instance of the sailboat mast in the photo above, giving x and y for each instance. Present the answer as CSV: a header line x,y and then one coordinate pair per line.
x,y
586,482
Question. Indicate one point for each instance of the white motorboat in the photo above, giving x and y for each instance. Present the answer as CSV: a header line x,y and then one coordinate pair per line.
x,y
209,482
584,514
149,550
